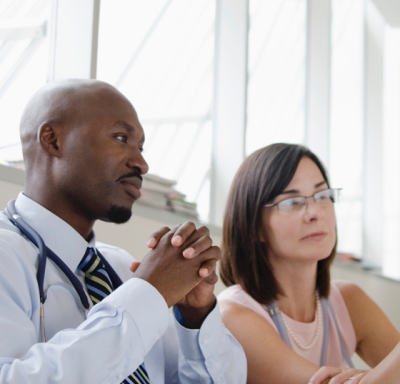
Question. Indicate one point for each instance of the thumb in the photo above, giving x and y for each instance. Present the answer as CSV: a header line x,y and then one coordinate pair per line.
x,y
134,266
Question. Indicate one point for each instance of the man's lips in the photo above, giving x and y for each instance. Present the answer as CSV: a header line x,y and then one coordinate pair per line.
x,y
315,236
132,185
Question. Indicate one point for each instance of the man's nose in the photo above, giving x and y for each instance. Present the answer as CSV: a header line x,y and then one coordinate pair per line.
x,y
136,160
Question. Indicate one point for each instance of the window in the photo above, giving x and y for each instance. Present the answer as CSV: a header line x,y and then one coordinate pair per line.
x,y
391,154
160,55
346,131
23,66
276,84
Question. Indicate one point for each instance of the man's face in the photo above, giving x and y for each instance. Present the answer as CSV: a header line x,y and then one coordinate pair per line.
x,y
101,164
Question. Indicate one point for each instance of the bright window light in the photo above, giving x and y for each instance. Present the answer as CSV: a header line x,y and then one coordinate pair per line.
x,y
160,54
23,67
391,154
346,130
276,87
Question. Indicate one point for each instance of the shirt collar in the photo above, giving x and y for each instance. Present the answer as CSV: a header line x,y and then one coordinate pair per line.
x,y
59,236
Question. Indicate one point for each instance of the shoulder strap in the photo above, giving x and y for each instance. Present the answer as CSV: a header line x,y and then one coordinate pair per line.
x,y
276,317
325,334
344,351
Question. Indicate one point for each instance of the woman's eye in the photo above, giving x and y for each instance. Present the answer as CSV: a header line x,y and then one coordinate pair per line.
x,y
323,195
122,138
288,203
296,202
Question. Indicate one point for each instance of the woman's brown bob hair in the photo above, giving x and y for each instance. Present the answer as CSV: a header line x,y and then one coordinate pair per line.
x,y
262,176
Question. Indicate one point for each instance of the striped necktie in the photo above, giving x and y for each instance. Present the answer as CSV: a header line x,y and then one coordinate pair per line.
x,y
99,285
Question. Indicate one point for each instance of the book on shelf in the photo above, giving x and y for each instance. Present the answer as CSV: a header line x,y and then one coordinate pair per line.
x,y
150,185
159,192
179,205
153,198
159,180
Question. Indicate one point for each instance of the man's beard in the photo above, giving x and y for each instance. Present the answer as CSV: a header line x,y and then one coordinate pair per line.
x,y
118,214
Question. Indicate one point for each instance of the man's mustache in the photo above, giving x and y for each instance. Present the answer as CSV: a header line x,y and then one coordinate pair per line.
x,y
131,174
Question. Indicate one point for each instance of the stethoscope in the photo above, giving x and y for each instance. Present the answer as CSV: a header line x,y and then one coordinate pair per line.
x,y
327,307
44,253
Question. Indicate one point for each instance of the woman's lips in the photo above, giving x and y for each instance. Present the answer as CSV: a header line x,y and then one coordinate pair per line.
x,y
315,236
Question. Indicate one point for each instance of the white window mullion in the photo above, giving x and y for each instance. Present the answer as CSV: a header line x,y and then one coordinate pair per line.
x,y
373,137
74,39
318,64
229,112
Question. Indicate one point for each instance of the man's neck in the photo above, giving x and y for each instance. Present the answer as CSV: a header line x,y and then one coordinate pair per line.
x,y
76,220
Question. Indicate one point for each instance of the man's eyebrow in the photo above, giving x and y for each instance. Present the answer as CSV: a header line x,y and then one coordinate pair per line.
x,y
291,191
123,124
129,128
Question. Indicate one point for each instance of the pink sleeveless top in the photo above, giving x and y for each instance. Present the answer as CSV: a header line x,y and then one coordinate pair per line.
x,y
305,332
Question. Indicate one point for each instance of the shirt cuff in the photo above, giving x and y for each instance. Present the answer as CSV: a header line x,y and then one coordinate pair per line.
x,y
199,344
145,305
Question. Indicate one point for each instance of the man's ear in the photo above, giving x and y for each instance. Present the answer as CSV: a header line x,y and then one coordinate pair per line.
x,y
48,136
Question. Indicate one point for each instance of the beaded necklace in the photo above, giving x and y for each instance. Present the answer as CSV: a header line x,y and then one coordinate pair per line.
x,y
317,332
326,310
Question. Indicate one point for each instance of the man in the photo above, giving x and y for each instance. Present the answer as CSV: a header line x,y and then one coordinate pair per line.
x,y
82,145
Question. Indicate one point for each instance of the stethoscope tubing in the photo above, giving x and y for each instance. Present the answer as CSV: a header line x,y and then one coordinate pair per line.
x,y
45,252
36,239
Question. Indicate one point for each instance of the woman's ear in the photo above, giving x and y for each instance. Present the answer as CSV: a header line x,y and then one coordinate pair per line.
x,y
48,136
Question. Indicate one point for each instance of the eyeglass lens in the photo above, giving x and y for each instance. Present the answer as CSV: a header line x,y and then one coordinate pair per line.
x,y
324,198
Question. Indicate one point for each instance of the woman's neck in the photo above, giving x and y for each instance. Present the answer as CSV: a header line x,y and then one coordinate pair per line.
x,y
297,282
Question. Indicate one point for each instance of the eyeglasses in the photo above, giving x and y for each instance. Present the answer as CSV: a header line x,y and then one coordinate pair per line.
x,y
323,198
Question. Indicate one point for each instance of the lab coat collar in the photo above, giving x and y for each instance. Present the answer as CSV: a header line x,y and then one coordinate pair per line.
x,y
59,236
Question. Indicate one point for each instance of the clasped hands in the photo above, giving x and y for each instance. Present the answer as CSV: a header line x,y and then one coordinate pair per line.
x,y
181,265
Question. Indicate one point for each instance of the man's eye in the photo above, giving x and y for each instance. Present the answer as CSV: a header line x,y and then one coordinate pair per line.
x,y
122,138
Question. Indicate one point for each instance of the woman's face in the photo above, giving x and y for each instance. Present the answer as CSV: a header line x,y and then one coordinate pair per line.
x,y
308,234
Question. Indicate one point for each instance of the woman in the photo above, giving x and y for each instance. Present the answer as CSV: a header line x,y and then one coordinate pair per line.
x,y
279,240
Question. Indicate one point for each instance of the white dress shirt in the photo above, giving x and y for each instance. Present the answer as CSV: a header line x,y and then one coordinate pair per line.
x,y
109,342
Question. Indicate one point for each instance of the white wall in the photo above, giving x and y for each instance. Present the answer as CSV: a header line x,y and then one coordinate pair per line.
x,y
8,191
